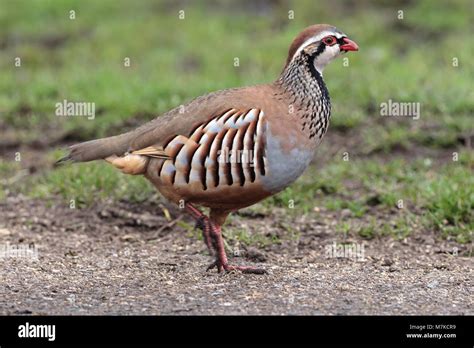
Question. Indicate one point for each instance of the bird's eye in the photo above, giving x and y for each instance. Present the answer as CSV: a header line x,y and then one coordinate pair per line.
x,y
329,40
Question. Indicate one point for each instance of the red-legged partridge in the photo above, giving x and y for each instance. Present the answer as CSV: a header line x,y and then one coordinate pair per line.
x,y
232,148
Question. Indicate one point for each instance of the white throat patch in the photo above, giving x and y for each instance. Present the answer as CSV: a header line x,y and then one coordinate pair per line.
x,y
324,58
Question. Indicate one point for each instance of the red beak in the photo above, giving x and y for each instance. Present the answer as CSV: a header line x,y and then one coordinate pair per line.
x,y
349,45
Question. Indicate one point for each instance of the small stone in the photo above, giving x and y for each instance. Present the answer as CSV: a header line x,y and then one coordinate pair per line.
x,y
346,213
128,238
255,255
433,284
4,232
71,253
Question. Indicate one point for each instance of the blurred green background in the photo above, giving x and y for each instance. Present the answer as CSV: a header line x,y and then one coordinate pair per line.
x,y
173,60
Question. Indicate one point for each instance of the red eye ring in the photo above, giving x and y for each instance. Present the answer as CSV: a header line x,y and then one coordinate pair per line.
x,y
329,40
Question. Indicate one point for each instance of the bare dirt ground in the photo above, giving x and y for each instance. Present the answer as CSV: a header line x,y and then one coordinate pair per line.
x,y
118,258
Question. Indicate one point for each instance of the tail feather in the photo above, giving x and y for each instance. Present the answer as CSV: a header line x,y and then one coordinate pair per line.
x,y
98,149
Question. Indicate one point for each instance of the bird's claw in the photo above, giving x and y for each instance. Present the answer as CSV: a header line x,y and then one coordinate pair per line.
x,y
228,268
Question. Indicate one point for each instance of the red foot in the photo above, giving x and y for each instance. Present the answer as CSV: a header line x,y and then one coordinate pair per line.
x,y
229,268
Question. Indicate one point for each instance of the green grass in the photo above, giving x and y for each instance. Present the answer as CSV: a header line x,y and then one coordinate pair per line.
x,y
86,183
442,196
246,238
173,61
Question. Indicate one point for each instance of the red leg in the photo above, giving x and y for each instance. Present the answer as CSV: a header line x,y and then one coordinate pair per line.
x,y
221,261
202,221
206,232
213,238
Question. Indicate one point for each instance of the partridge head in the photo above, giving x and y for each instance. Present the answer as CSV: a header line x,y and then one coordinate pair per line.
x,y
320,43
230,149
